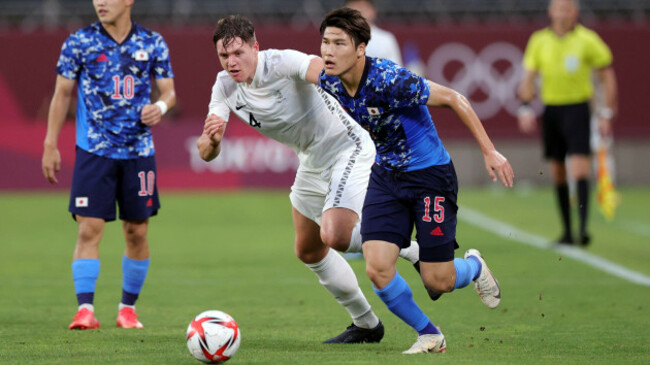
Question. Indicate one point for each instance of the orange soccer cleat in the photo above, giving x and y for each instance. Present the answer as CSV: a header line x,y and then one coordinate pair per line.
x,y
128,318
84,320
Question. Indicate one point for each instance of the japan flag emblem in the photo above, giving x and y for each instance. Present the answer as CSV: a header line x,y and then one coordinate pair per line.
x,y
141,55
81,202
373,111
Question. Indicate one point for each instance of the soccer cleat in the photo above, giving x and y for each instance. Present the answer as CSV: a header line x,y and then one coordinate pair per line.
x,y
486,285
84,320
565,240
428,343
128,318
585,239
434,295
354,334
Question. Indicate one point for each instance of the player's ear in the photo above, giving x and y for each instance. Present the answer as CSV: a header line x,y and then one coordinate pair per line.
x,y
256,46
361,50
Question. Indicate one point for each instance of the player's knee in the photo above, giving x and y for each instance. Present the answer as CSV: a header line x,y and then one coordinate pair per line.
x,y
380,275
90,233
335,239
135,232
309,254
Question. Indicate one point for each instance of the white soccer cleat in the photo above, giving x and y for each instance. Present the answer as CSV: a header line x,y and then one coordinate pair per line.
x,y
486,285
428,343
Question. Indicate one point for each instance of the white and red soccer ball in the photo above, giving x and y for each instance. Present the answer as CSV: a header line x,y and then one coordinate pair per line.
x,y
213,337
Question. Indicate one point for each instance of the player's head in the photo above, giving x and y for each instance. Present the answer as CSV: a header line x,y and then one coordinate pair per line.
x,y
344,36
110,11
365,7
237,47
564,13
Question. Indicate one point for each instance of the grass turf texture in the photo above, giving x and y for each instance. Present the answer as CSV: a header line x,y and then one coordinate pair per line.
x,y
234,252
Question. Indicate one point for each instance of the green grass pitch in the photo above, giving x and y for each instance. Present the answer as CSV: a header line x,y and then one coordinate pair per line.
x,y
234,252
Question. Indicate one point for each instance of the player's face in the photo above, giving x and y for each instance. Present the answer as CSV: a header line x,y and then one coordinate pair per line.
x,y
338,51
109,11
239,59
563,13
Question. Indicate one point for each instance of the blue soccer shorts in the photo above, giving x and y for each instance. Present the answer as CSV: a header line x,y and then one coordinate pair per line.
x,y
99,182
398,201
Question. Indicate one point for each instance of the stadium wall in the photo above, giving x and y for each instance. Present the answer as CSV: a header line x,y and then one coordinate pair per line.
x,y
482,62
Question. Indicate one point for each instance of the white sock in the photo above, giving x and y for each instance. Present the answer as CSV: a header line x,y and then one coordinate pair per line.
x,y
411,253
336,275
355,239
122,305
88,306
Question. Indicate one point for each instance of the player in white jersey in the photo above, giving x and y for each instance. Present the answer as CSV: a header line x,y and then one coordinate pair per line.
x,y
274,92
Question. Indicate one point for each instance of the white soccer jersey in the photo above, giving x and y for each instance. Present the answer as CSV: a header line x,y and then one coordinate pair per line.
x,y
283,106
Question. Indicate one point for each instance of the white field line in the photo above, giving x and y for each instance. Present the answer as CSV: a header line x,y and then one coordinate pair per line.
x,y
512,233
635,227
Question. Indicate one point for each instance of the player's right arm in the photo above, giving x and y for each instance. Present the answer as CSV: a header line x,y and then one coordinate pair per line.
x,y
526,115
209,143
59,107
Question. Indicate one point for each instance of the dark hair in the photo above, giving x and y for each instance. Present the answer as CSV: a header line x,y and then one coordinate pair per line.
x,y
351,22
231,27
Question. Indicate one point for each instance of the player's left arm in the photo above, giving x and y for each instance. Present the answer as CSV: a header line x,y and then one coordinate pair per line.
x,y
495,163
606,114
152,113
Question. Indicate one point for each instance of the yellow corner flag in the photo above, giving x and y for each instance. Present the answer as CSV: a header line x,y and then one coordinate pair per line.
x,y
608,197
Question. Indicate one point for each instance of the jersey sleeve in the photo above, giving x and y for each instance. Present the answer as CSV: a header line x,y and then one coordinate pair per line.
x,y
294,64
403,88
530,60
69,64
218,104
599,54
162,67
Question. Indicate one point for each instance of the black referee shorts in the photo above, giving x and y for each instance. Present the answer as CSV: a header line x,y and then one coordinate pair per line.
x,y
566,131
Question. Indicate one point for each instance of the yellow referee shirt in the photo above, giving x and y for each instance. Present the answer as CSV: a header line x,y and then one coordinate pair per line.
x,y
565,63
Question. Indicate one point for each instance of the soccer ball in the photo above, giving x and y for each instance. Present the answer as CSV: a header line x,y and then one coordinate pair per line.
x,y
213,336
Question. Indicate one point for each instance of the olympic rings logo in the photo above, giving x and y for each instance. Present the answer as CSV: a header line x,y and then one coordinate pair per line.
x,y
494,73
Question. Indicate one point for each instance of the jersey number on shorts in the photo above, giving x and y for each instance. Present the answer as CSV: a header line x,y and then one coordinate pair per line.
x,y
439,210
147,183
253,122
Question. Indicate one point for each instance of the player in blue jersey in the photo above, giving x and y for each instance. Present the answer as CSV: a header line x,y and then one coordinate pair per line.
x,y
112,63
413,181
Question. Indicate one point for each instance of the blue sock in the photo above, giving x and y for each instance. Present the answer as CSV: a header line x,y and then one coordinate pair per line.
x,y
134,272
399,299
84,275
466,270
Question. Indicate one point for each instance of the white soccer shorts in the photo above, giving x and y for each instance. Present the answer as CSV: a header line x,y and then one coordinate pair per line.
x,y
342,185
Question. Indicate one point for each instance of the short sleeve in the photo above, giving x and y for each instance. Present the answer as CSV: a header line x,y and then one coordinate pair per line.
x,y
291,63
162,66
69,64
599,53
404,88
530,60
218,104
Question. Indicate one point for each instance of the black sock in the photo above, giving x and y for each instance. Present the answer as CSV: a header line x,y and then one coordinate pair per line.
x,y
85,298
128,298
583,204
563,200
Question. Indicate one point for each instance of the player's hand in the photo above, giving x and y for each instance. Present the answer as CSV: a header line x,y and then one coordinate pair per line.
x,y
527,120
214,128
605,127
151,115
498,166
51,163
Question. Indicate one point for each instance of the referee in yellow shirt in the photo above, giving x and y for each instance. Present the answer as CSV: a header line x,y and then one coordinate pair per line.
x,y
564,56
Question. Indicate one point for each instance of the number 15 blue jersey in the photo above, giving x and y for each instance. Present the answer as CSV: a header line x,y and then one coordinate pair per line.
x,y
114,84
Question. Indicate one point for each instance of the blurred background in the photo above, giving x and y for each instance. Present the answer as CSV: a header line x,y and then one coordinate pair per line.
x,y
473,46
